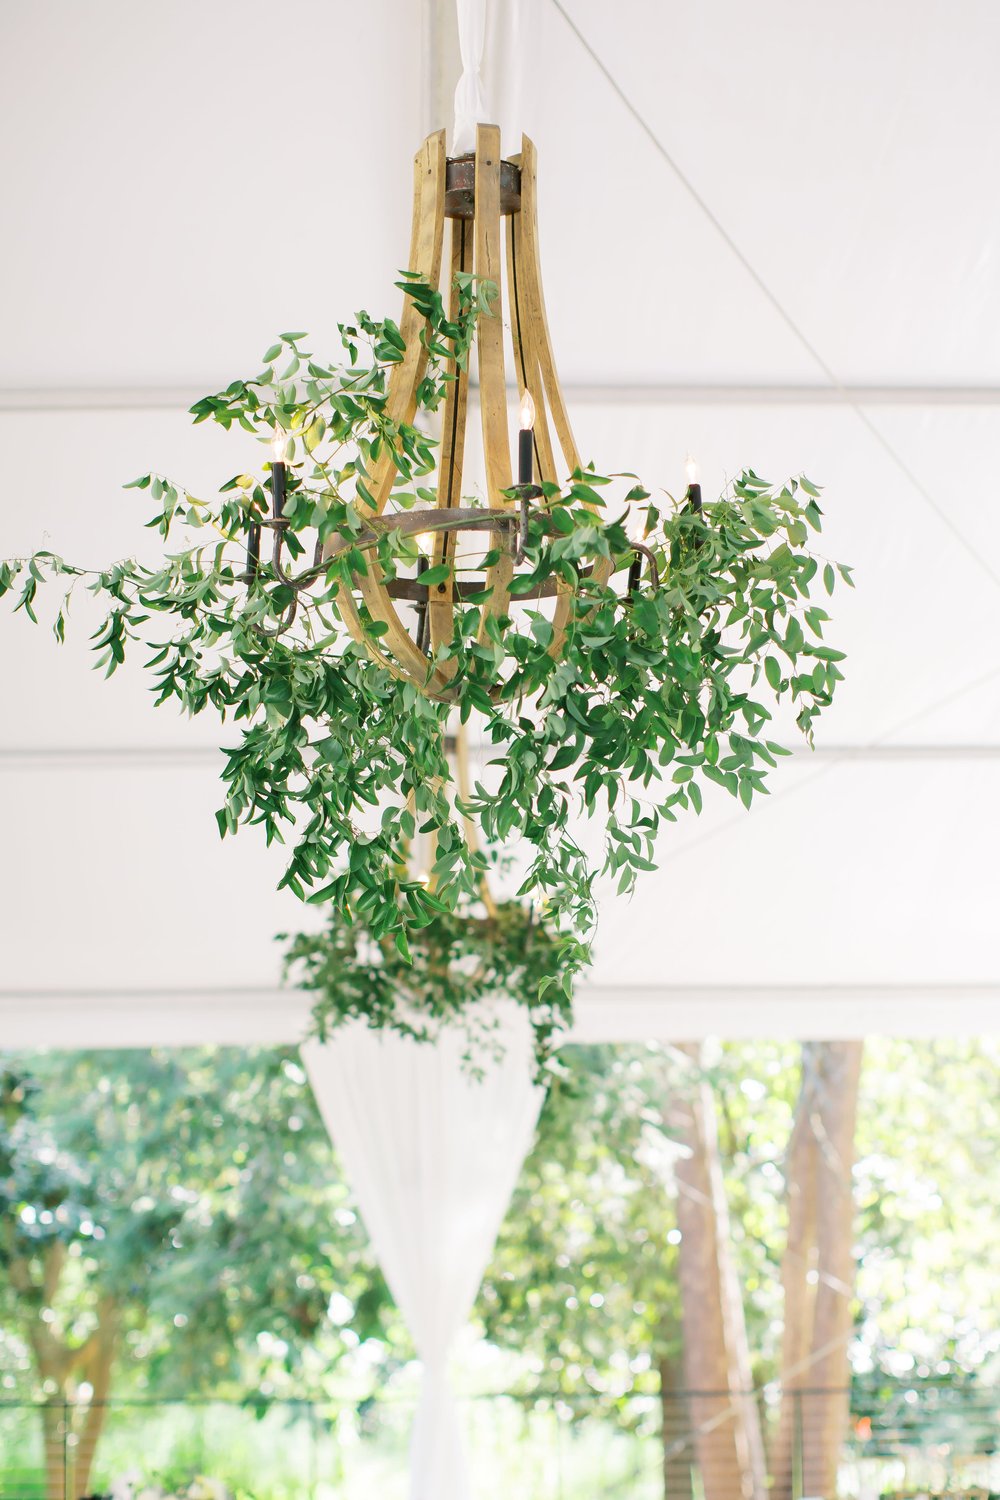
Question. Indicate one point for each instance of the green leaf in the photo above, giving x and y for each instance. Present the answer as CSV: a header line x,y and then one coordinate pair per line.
x,y
314,434
541,629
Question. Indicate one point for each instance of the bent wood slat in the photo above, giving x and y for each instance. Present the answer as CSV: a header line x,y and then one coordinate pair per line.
x,y
429,170
530,282
352,619
489,330
492,376
524,322
430,166
441,606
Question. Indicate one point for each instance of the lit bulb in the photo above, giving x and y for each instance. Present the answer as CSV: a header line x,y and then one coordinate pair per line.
x,y
279,445
692,471
527,412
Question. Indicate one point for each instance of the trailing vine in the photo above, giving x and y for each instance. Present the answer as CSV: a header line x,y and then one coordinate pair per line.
x,y
454,968
662,685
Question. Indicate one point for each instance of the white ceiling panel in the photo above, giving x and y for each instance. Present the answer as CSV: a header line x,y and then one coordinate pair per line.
x,y
183,181
117,878
849,874
849,151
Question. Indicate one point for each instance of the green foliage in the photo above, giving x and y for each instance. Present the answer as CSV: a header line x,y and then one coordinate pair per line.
x,y
594,1217
449,971
167,1180
583,1266
927,1195
584,1279
657,691
257,1238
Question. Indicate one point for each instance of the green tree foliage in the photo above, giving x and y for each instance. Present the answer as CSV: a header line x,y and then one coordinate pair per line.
x,y
173,1222
198,1192
441,975
585,1275
928,1187
594,1214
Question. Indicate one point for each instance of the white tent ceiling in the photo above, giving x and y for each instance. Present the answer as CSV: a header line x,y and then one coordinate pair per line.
x,y
181,181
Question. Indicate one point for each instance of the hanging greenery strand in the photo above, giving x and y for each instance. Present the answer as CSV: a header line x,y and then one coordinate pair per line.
x,y
661,684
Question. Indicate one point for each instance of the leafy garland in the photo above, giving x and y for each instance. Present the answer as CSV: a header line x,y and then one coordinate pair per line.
x,y
655,692
458,963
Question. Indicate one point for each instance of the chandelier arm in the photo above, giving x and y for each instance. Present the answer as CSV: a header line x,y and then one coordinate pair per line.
x,y
304,580
286,622
423,522
492,376
640,550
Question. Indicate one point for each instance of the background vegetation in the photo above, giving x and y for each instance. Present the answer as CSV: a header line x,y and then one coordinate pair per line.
x,y
176,1225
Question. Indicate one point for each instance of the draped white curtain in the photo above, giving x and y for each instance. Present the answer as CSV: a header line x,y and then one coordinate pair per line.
x,y
432,1154
511,68
499,46
470,101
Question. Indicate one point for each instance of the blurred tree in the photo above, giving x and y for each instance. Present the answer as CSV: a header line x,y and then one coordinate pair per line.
x,y
926,1184
178,1218
175,1212
818,1270
724,1418
599,1258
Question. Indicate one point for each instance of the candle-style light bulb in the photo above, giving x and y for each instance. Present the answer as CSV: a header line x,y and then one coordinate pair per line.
x,y
693,474
526,440
279,452
253,552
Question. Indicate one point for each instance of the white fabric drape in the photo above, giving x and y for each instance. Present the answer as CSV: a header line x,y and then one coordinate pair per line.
x,y
433,1155
470,100
499,49
510,68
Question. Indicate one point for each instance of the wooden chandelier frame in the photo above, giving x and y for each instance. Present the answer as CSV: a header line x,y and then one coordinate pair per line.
x,y
491,206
